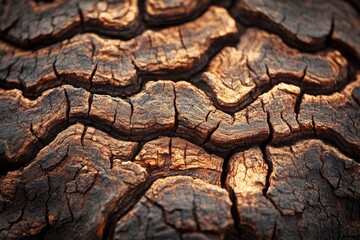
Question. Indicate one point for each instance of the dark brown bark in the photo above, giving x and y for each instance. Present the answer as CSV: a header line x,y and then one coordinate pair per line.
x,y
179,119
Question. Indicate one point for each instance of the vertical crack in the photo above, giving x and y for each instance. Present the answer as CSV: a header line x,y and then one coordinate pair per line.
x,y
114,119
298,102
182,40
81,16
93,48
313,125
55,70
301,79
92,76
234,210
176,116
68,107
210,133
225,170
124,206
83,136
136,151
132,112
267,160
90,101
169,160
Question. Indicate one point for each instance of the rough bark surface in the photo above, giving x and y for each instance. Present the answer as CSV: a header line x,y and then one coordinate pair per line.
x,y
162,119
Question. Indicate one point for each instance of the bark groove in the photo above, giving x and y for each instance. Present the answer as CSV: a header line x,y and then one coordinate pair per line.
x,y
162,119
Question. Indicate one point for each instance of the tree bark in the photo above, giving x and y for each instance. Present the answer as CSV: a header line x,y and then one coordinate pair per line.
x,y
164,119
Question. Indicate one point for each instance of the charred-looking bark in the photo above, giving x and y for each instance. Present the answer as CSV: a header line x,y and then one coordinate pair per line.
x,y
186,119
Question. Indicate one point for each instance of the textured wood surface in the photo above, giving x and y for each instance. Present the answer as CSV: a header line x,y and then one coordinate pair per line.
x,y
312,24
162,119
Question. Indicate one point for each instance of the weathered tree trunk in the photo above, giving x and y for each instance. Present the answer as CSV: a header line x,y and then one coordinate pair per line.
x,y
186,119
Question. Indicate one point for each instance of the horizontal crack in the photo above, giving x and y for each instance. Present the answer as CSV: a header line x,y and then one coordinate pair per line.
x,y
230,110
118,134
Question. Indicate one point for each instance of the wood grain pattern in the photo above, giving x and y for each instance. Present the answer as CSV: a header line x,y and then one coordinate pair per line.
x,y
161,119
310,24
